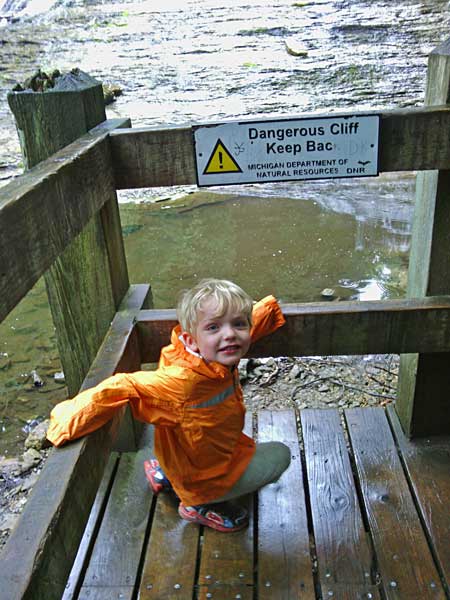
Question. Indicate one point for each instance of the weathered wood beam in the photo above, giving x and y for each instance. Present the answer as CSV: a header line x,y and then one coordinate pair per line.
x,y
424,379
38,556
332,328
92,271
42,211
410,140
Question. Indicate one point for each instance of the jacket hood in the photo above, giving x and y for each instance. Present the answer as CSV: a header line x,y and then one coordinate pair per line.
x,y
177,353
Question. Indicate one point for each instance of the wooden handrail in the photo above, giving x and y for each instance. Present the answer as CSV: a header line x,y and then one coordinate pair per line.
x,y
44,209
410,140
41,549
332,328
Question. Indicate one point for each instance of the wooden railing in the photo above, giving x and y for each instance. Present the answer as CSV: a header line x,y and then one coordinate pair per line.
x,y
45,210
42,211
410,140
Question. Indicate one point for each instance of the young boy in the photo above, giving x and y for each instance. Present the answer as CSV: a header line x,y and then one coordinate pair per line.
x,y
195,401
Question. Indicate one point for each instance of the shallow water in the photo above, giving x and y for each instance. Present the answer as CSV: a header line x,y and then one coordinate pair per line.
x,y
294,252
185,62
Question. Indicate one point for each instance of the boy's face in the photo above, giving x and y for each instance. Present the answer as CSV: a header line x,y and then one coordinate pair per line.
x,y
224,339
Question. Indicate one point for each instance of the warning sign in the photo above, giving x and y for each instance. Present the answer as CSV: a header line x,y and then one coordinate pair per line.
x,y
287,149
221,161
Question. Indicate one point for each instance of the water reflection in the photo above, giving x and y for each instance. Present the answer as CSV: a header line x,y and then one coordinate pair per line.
x,y
285,246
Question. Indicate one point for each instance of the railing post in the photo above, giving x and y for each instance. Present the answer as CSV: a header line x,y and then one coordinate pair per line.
x,y
424,380
88,281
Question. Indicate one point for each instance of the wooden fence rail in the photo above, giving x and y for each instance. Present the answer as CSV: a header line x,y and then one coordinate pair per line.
x,y
46,208
332,328
42,547
42,211
410,140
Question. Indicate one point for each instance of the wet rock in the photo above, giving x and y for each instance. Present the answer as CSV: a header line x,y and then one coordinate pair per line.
x,y
31,458
12,468
8,521
9,467
299,52
38,82
243,369
37,380
327,293
5,361
268,362
322,382
294,372
37,439
29,482
59,377
111,92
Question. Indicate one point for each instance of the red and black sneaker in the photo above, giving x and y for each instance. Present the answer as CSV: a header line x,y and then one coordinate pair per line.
x,y
223,516
156,477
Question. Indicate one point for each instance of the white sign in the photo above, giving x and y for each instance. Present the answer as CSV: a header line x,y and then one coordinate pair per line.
x,y
287,150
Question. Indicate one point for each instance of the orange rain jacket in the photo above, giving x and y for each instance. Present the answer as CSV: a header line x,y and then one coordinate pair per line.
x,y
197,409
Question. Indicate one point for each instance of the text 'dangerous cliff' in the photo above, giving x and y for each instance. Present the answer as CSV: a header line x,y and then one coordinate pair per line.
x,y
287,149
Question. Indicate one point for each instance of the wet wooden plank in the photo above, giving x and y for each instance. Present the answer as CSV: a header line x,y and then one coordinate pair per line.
x,y
349,592
112,593
171,555
344,557
402,130
226,567
131,430
81,561
427,463
327,328
410,140
118,548
40,551
228,592
43,210
284,559
404,560
227,560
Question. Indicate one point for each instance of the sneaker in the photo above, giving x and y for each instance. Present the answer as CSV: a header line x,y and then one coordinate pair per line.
x,y
156,478
223,516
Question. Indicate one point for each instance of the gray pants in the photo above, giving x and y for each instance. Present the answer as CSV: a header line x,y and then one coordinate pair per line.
x,y
270,460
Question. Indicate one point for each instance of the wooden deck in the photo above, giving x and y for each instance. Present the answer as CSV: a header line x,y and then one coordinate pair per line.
x,y
360,513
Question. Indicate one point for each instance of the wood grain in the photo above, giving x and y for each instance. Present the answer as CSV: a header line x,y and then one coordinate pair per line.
x,y
171,556
424,380
117,551
427,464
87,281
410,140
226,565
80,564
344,556
38,556
404,562
284,558
43,210
327,328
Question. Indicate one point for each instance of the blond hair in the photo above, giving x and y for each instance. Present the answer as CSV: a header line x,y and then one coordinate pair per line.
x,y
227,294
